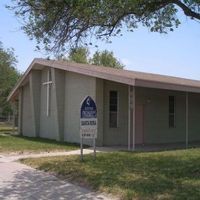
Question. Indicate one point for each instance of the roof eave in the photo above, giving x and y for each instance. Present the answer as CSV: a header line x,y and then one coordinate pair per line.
x,y
166,86
104,74
20,81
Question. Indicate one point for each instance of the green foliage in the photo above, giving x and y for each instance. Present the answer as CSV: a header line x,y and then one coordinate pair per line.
x,y
106,59
6,127
79,55
157,176
60,23
8,77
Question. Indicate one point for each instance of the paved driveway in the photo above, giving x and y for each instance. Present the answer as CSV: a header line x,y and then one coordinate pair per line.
x,y
18,181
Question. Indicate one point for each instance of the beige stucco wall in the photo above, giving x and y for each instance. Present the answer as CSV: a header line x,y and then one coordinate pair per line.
x,y
69,89
194,117
48,126
100,110
77,87
35,94
27,115
156,123
59,90
119,135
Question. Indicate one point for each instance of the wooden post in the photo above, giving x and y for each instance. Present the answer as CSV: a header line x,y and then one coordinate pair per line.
x,y
81,143
133,119
94,144
13,120
129,116
20,113
186,125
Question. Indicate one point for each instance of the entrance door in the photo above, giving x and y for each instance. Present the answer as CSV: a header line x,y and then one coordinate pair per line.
x,y
139,125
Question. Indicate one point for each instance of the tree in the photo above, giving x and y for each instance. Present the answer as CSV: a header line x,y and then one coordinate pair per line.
x,y
8,77
107,59
102,58
59,23
79,55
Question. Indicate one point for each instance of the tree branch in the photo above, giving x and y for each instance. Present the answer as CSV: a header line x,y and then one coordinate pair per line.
x,y
188,12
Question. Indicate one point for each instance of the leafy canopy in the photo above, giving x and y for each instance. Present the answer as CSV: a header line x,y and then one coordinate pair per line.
x,y
79,55
102,58
8,77
106,59
60,23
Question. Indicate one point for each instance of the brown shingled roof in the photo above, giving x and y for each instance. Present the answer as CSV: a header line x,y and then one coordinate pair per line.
x,y
128,77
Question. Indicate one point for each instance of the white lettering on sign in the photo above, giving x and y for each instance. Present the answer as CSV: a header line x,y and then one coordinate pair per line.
x,y
88,122
88,118
88,113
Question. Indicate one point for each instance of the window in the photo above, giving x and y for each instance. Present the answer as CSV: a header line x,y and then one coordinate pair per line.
x,y
49,76
113,109
171,112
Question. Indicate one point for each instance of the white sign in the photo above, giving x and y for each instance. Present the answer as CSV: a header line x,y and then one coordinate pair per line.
x,y
88,122
88,128
88,119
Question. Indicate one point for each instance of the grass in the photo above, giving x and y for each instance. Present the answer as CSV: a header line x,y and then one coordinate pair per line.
x,y
20,144
6,127
157,175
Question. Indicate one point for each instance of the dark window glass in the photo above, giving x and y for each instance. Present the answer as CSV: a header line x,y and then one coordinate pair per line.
x,y
113,109
171,111
50,75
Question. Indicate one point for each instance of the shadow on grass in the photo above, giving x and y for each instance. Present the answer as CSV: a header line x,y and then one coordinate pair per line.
x,y
16,143
166,175
45,141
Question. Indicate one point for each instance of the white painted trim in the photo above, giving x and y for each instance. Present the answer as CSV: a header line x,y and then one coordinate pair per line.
x,y
46,83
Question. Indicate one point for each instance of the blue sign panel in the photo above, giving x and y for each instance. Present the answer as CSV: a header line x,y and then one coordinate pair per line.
x,y
88,108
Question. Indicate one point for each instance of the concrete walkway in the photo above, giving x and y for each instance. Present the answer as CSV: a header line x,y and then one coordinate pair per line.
x,y
11,158
18,181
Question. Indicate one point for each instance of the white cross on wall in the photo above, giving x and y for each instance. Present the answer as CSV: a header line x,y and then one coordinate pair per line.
x,y
48,90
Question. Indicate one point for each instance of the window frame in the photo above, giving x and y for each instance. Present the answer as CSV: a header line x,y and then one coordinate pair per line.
x,y
172,114
115,112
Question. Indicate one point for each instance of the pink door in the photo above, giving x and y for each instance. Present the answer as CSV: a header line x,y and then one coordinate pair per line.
x,y
139,125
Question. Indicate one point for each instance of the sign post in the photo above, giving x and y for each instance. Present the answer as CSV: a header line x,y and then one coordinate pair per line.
x,y
88,122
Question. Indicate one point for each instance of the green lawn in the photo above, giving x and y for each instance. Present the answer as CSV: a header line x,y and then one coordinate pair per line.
x,y
6,127
13,143
157,175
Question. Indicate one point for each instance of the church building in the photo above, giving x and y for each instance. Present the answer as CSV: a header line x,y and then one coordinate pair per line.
x,y
133,108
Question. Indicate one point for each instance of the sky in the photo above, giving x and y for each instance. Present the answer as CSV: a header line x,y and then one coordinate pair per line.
x,y
175,54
